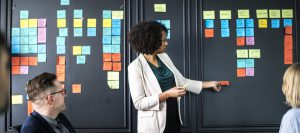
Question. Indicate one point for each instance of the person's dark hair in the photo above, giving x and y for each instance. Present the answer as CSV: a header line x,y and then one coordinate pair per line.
x,y
146,37
39,84
2,43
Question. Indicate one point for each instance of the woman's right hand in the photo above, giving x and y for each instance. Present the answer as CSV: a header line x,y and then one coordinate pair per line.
x,y
175,92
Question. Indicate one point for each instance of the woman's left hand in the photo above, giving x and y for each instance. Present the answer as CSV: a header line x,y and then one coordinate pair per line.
x,y
212,84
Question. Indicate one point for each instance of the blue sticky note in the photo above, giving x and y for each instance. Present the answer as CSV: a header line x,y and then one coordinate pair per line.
x,y
15,31
24,49
60,41
249,63
240,32
24,14
61,13
32,40
32,31
32,49
86,50
15,40
106,39
24,40
241,63
275,23
63,32
24,31
116,23
166,23
42,49
42,57
91,32
209,23
224,24
77,13
287,22
116,40
249,31
61,49
15,49
106,48
249,23
64,2
116,31
77,32
240,23
169,34
80,59
107,31
115,48
106,13
225,32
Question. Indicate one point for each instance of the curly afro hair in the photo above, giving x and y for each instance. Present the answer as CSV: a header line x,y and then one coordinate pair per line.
x,y
146,37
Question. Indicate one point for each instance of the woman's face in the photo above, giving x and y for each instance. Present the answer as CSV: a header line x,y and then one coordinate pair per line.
x,y
3,80
164,43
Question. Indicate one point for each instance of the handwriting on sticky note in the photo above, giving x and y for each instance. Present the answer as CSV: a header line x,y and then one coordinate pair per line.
x,y
287,13
274,14
225,14
243,13
208,14
113,84
262,13
117,14
242,53
254,53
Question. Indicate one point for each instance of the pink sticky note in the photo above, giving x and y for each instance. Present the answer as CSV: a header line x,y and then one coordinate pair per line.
x,y
249,40
42,35
42,22
249,71
23,69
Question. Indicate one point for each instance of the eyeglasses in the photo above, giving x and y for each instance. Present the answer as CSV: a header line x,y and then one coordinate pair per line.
x,y
63,92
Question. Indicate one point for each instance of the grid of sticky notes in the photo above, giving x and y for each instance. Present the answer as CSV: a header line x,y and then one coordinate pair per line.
x,y
77,23
167,24
245,61
20,65
91,27
63,32
81,52
61,68
288,45
244,32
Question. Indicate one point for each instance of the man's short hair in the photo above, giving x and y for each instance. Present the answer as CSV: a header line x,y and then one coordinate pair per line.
x,y
39,84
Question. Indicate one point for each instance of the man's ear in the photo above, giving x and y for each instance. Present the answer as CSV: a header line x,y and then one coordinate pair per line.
x,y
50,100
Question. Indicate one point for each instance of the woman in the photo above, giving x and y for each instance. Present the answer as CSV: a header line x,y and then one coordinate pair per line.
x,y
3,74
290,122
155,83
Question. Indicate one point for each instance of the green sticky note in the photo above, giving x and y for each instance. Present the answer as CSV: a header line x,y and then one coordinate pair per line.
x,y
160,8
243,13
242,53
225,14
254,53
274,14
113,84
262,13
113,76
208,14
287,13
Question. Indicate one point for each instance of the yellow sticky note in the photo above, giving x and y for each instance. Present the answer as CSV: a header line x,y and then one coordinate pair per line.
x,y
113,84
274,14
17,99
262,23
33,22
24,23
91,22
77,23
243,13
287,13
160,8
112,75
106,22
254,53
208,14
117,14
242,53
76,50
225,14
262,13
61,23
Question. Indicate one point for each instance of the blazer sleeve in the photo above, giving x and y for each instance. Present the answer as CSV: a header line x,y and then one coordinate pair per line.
x,y
194,86
30,129
137,90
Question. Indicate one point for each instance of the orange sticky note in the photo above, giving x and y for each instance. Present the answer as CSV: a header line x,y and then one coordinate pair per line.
x,y
288,56
15,61
240,41
241,72
107,57
61,60
288,42
32,61
76,88
15,70
117,66
29,107
60,69
288,30
107,65
116,57
24,61
224,83
209,33
61,77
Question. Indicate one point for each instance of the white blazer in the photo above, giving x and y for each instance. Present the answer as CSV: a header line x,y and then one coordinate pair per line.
x,y
145,91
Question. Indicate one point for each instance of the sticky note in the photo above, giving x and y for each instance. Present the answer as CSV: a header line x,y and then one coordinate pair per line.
x,y
254,53
77,13
241,63
32,40
42,22
32,31
42,49
24,40
107,66
91,32
107,49
86,50
15,40
242,53
64,2
106,22
24,31
250,41
249,71
16,99
61,13
107,57
77,23
169,34
106,39
224,24
288,42
288,30
15,31
116,31
42,57
61,23
240,32
76,50
15,69
241,72
115,49
112,75
225,14
249,31
24,61
117,14
32,61
240,23
32,49
116,23
24,14
262,13
61,49
225,32
209,33
116,40
77,32
117,66
61,60
160,8
91,22
287,13
113,84
106,14
24,69
29,108
15,61
116,57
287,22
15,49
240,41
24,49
262,23
60,69
208,14
106,31
275,23
243,13
274,14
24,23
63,32
209,23
76,88
61,77
80,59
249,63
42,35
60,41
288,56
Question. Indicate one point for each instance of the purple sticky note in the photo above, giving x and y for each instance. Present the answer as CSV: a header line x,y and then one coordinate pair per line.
x,y
249,40
42,35
42,22
249,71
23,69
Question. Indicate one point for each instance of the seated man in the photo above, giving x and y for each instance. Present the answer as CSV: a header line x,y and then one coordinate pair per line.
x,y
47,96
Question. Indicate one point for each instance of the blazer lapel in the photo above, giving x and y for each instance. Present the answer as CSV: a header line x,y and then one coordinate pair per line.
x,y
43,121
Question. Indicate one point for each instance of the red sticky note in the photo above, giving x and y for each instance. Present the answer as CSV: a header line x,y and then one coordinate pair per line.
x,y
29,107
116,57
15,61
61,60
288,30
107,65
240,41
15,70
76,88
60,69
61,77
224,83
24,61
288,42
107,57
241,72
209,33
288,56
117,66
32,61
